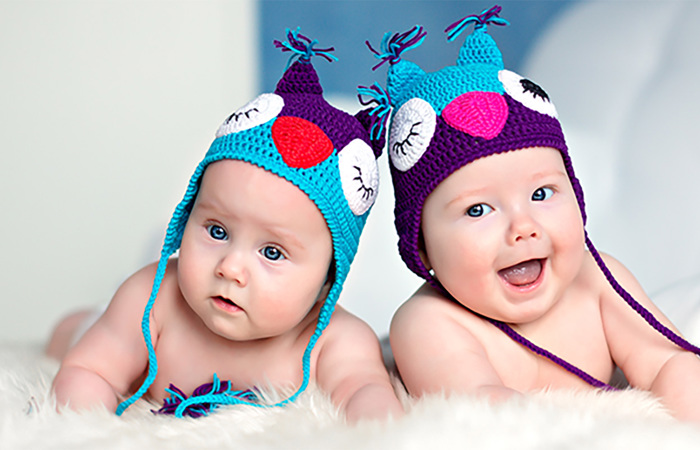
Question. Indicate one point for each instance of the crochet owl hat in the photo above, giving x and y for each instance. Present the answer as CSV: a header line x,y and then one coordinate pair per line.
x,y
447,119
327,153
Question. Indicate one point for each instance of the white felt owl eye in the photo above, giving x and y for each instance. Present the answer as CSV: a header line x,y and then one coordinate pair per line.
x,y
411,131
359,175
256,112
527,92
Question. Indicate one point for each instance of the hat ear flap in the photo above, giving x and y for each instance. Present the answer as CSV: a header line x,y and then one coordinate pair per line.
x,y
374,118
376,140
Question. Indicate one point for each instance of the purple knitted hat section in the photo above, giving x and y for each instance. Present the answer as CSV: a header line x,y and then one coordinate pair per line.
x,y
299,78
303,98
449,150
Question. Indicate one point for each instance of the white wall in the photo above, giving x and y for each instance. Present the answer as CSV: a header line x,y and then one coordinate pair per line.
x,y
624,78
105,109
627,93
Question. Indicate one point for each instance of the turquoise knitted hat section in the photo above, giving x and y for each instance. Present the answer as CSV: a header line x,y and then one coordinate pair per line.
x,y
444,120
327,153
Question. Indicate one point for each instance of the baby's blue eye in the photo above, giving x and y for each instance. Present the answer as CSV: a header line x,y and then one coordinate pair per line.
x,y
479,210
542,194
217,232
272,253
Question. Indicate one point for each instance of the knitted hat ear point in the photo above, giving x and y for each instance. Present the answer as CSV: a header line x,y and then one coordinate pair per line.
x,y
401,73
374,118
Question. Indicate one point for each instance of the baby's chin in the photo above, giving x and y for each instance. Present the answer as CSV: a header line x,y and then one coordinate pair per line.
x,y
516,313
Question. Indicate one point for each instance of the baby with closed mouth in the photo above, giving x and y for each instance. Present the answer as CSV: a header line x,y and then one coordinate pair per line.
x,y
265,235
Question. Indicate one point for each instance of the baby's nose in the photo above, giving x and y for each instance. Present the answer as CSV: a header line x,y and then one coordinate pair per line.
x,y
232,268
522,228
479,114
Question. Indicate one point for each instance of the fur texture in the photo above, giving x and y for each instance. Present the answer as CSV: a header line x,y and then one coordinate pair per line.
x,y
571,420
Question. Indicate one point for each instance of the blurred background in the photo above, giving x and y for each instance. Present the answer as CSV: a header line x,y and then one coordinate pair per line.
x,y
106,107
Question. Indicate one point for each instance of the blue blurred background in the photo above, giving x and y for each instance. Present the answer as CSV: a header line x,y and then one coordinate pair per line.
x,y
347,24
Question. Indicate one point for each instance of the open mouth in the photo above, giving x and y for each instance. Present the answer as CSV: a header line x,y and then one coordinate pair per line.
x,y
523,274
226,304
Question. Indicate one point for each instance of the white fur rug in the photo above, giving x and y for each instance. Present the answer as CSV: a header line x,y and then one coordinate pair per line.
x,y
558,420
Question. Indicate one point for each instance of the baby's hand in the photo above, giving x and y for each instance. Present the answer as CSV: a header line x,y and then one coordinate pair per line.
x,y
677,386
350,368
82,389
376,401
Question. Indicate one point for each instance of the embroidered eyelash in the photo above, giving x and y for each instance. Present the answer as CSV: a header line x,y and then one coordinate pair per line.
x,y
236,115
399,146
535,89
368,191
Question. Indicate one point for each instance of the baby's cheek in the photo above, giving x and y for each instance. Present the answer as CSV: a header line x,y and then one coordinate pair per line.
x,y
572,251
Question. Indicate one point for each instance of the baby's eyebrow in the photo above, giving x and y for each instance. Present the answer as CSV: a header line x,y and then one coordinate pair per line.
x,y
285,236
207,204
466,194
549,173
211,206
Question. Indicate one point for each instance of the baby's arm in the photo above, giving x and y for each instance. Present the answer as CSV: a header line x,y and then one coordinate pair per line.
x,y
649,360
104,363
436,353
351,369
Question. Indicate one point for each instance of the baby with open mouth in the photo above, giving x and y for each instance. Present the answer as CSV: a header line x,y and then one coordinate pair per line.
x,y
523,274
489,212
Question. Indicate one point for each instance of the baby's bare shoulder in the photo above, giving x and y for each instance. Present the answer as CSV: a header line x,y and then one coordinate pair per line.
x,y
348,349
137,288
428,309
429,322
429,327
346,327
130,300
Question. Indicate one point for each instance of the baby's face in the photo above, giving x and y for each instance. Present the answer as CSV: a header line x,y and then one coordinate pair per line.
x,y
255,252
504,234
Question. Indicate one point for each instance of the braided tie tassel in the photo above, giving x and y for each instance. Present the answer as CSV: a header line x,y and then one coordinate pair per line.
x,y
392,47
205,399
488,16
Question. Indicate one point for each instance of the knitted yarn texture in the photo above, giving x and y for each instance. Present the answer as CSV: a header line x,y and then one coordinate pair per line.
x,y
327,153
444,120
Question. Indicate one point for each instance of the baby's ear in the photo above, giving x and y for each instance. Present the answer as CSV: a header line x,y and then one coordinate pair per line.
x,y
423,254
376,139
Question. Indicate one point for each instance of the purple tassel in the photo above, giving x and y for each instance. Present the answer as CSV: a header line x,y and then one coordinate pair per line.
x,y
303,47
489,16
205,391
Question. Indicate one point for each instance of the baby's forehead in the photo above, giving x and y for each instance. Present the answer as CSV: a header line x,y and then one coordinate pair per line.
x,y
240,174
524,160
229,183
529,163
